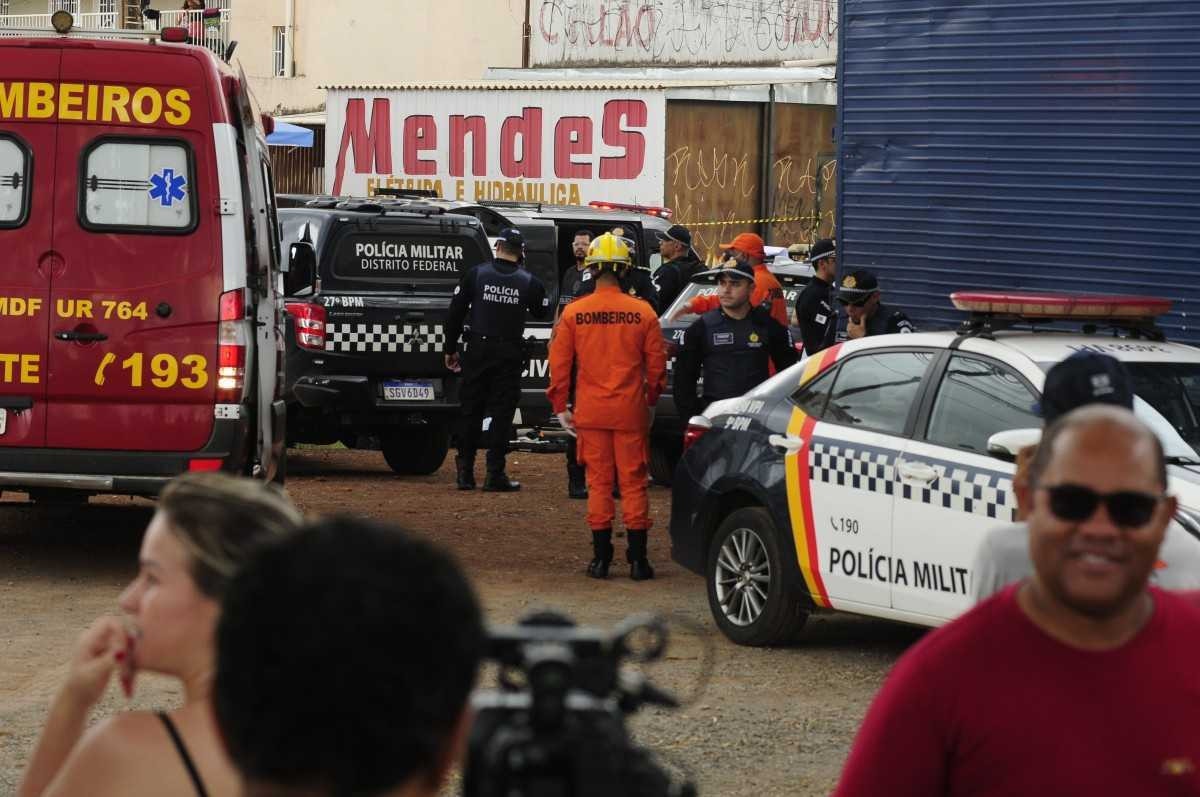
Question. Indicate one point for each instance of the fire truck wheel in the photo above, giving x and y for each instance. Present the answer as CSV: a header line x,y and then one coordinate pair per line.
x,y
416,451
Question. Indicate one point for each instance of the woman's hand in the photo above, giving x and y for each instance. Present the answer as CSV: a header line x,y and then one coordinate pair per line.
x,y
101,650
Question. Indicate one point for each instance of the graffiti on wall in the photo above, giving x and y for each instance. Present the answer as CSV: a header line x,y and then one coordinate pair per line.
x,y
708,185
804,195
581,32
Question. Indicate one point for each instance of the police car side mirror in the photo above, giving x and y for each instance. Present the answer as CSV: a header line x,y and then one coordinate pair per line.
x,y
302,268
1007,444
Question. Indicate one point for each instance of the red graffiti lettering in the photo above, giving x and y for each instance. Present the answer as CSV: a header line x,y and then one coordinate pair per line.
x,y
460,126
420,135
372,151
572,136
529,127
630,164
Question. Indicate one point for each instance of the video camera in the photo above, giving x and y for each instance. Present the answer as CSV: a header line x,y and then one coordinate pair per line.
x,y
556,724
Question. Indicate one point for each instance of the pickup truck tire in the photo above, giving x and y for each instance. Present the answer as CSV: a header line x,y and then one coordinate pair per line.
x,y
417,450
664,456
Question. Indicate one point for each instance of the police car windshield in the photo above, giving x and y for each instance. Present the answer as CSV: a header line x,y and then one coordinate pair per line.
x,y
1168,400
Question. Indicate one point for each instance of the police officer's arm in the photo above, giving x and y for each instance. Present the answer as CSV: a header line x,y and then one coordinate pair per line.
x,y
667,281
898,322
646,289
779,345
655,353
687,370
460,303
562,363
812,320
539,303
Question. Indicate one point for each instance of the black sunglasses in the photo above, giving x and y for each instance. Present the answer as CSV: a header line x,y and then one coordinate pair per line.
x,y
1127,508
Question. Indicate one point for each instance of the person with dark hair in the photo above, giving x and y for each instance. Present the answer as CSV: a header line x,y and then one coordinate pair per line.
x,y
345,658
206,526
1084,378
679,264
732,346
494,296
576,274
1081,680
867,315
815,313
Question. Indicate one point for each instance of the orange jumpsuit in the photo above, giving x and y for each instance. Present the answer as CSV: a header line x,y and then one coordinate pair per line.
x,y
615,344
767,290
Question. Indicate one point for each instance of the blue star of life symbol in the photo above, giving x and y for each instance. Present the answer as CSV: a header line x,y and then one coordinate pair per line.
x,y
167,187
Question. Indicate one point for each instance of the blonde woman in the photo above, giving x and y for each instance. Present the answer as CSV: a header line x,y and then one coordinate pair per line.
x,y
205,526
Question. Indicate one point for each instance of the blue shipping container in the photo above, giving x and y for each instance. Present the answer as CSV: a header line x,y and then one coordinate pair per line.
x,y
1021,146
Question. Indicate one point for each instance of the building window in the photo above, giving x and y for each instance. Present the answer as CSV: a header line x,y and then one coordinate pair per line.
x,y
71,6
280,64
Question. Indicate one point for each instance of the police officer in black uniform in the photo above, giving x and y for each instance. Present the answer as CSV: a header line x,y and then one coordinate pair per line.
x,y
573,280
815,312
680,264
636,281
732,345
496,295
859,294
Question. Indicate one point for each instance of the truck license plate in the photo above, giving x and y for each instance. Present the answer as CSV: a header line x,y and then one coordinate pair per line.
x,y
408,390
3,421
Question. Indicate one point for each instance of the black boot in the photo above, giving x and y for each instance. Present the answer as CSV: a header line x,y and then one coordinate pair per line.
x,y
465,472
602,554
639,565
497,481
576,481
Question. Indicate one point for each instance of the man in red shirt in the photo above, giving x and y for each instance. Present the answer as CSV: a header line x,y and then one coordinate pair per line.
x,y
1079,681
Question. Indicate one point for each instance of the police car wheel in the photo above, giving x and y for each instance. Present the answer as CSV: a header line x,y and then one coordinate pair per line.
x,y
416,451
751,592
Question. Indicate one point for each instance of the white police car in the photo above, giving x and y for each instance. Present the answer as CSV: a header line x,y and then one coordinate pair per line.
x,y
860,479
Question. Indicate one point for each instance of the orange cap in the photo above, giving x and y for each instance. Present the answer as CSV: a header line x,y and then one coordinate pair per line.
x,y
748,244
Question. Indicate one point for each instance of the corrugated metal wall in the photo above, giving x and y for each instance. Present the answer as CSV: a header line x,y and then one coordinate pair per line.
x,y
1021,145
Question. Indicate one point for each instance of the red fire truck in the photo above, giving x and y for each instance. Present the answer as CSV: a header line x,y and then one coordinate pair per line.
x,y
140,324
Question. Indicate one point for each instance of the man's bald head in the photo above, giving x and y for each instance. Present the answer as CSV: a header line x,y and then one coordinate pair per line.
x,y
1098,422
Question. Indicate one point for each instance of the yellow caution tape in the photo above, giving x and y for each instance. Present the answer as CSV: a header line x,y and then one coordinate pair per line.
x,y
775,220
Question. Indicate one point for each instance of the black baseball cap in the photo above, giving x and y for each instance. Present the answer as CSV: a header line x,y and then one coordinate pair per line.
x,y
735,268
677,233
1086,377
857,287
821,250
513,237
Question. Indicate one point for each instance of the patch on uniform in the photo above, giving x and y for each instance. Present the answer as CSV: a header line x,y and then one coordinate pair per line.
x,y
821,318
587,275
722,338
754,342
632,291
754,337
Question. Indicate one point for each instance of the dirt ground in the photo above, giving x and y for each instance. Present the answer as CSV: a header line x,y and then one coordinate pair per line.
x,y
767,722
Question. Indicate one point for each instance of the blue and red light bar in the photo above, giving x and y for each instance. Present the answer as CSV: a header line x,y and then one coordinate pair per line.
x,y
653,210
1060,305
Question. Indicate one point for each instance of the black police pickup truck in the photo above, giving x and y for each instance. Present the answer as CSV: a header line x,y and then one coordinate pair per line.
x,y
368,289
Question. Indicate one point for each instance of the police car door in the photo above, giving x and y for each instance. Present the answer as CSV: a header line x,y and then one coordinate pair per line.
x,y
951,491
852,420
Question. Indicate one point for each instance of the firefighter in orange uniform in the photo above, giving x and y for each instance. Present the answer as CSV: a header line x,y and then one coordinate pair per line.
x,y
614,343
748,248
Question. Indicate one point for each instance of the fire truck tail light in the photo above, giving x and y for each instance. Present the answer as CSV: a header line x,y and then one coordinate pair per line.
x,y
204,464
232,337
309,321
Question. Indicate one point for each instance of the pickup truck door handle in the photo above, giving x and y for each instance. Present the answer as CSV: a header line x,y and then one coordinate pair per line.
x,y
789,443
917,471
81,337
